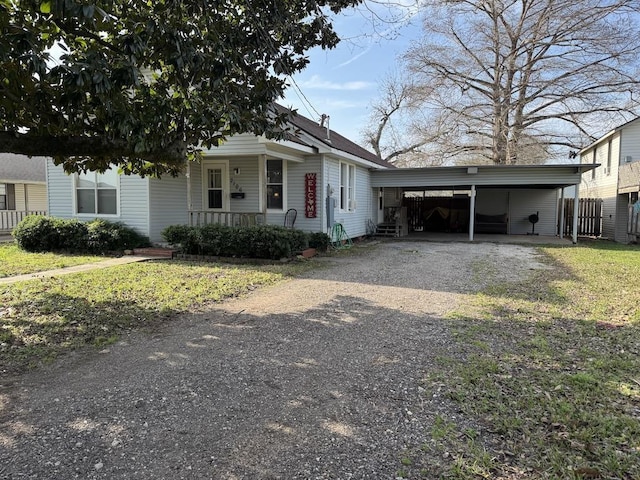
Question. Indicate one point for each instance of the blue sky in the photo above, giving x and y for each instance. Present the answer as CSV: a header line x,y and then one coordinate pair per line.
x,y
343,82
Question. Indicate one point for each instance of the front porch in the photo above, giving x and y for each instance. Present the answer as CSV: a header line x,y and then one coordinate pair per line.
x,y
229,219
10,218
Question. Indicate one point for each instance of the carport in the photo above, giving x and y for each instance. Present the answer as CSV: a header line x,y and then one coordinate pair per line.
x,y
528,189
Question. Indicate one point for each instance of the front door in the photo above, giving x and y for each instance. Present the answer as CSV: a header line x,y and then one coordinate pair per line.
x,y
216,190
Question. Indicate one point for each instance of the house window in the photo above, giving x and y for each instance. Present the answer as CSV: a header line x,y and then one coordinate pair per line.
x,y
214,188
608,169
97,193
347,186
7,196
593,172
275,184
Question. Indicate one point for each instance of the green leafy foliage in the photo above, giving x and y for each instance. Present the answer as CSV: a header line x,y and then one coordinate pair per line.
x,y
550,373
320,241
43,318
144,85
48,234
263,241
16,261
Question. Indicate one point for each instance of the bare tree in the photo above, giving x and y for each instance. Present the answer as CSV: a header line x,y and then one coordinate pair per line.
x,y
395,131
519,79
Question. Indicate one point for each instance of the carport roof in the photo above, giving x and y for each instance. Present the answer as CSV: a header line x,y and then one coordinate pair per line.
x,y
496,176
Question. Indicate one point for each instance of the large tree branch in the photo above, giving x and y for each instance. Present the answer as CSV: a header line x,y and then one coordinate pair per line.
x,y
84,146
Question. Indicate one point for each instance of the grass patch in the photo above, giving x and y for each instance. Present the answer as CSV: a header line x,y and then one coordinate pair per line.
x,y
42,318
547,371
15,261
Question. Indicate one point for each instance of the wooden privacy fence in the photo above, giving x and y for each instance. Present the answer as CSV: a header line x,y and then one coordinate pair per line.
x,y
589,216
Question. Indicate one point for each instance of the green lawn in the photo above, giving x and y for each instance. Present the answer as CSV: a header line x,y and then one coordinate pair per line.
x,y
550,383
14,261
41,318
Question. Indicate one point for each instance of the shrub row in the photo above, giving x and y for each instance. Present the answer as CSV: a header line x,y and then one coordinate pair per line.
x,y
48,234
263,241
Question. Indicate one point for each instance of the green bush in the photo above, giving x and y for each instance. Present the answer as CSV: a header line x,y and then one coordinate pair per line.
x,y
263,241
49,234
35,233
104,236
320,241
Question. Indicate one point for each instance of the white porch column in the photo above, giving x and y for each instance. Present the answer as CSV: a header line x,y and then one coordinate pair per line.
x,y
189,199
262,182
562,219
472,213
576,211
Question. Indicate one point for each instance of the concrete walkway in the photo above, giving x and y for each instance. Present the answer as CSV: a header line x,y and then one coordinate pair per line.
x,y
111,262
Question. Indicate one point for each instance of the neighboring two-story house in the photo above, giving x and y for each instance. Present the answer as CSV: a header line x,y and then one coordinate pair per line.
x,y
23,188
616,181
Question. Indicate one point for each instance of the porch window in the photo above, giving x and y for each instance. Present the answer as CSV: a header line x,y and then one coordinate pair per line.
x,y
275,184
97,193
7,196
214,188
347,187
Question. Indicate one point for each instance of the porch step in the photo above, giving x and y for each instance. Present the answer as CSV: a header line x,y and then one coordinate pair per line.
x,y
157,252
386,230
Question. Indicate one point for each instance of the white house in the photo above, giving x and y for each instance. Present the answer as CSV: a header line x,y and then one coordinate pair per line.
x,y
23,188
324,177
249,179
616,181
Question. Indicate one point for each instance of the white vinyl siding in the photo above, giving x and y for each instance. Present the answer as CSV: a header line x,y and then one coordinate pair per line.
x,y
602,185
238,145
60,191
36,197
167,204
134,203
355,221
518,204
296,172
630,142
133,208
246,181
622,215
491,201
525,202
31,197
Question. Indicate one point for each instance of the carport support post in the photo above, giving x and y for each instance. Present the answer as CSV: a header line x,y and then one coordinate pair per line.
x,y
472,212
576,211
562,219
189,201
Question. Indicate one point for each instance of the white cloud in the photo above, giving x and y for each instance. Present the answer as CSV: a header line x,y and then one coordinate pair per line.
x,y
316,82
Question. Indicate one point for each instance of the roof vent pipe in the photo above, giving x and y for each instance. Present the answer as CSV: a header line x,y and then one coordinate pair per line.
x,y
326,118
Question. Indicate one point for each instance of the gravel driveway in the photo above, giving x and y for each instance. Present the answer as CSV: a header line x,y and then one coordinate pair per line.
x,y
315,378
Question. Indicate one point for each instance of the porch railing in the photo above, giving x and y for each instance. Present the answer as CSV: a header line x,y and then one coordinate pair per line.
x,y
230,219
10,218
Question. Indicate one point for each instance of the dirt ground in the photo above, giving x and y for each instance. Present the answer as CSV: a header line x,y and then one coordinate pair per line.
x,y
315,378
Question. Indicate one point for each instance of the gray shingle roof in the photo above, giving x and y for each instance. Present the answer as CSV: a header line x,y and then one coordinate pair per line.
x,y
335,140
20,168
